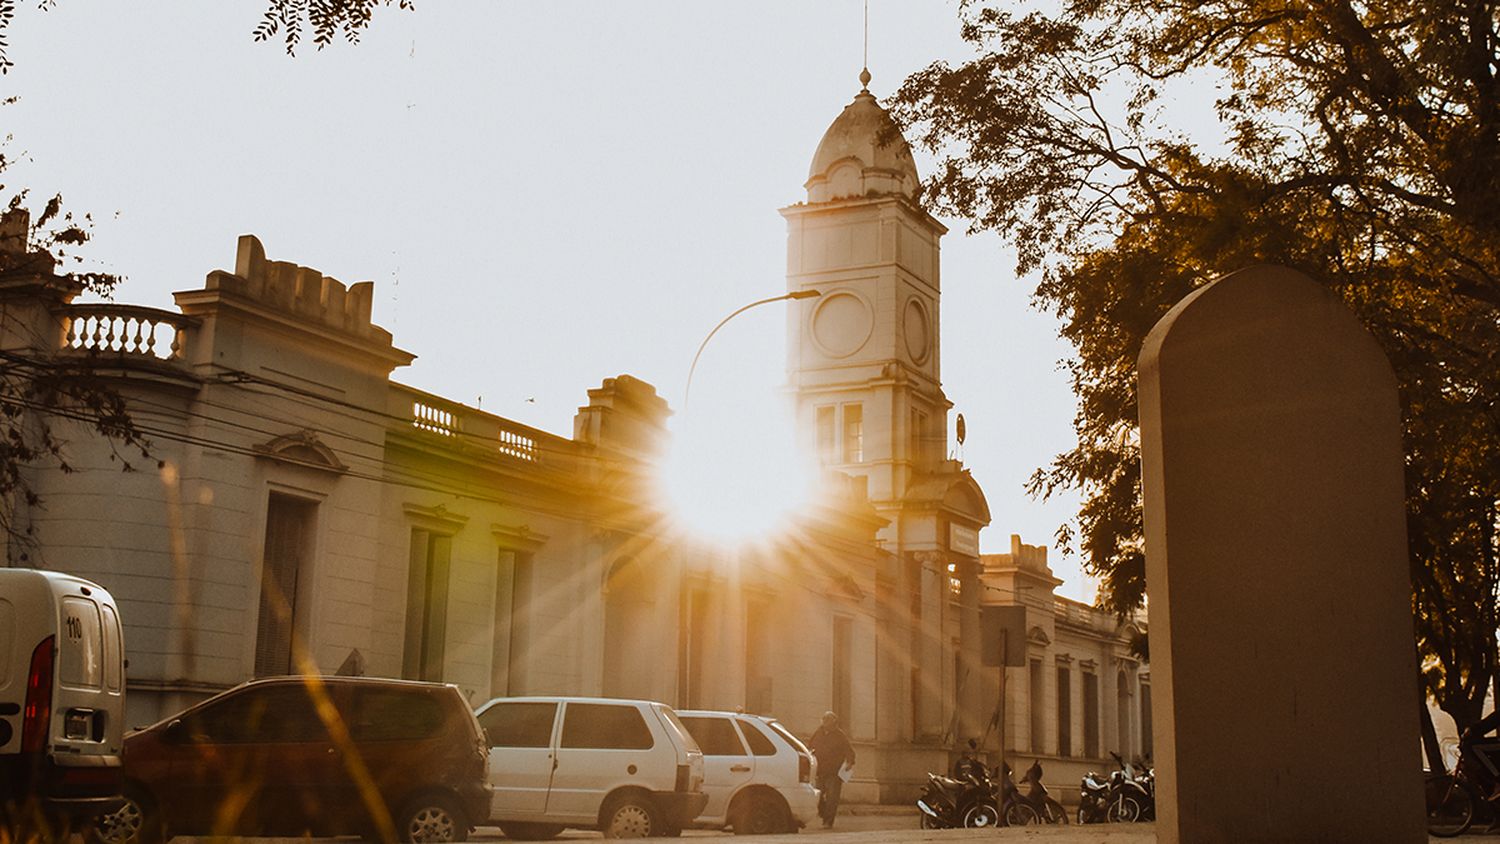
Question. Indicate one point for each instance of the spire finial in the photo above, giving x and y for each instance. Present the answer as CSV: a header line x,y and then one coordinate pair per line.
x,y
864,74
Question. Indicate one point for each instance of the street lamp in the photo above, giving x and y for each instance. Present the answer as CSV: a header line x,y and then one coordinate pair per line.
x,y
795,294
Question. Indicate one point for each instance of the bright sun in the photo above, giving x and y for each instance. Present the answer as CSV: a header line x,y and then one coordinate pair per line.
x,y
735,475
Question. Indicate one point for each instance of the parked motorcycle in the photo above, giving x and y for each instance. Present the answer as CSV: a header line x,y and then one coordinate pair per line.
x,y
1047,809
1130,799
1094,798
972,799
966,800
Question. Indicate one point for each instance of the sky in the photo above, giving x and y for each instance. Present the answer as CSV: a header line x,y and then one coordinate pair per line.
x,y
544,194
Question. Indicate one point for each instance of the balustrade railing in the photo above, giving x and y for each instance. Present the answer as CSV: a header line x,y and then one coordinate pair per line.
x,y
127,330
430,417
470,428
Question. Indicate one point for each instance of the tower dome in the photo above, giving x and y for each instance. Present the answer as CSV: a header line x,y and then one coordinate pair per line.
x,y
851,161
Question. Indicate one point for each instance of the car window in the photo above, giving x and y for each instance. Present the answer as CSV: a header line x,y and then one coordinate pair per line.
x,y
519,724
80,660
782,731
394,715
279,713
716,736
760,745
605,726
669,718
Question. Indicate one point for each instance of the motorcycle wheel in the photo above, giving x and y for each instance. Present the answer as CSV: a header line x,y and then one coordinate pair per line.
x,y
926,821
1450,806
1056,813
982,816
1020,814
1123,810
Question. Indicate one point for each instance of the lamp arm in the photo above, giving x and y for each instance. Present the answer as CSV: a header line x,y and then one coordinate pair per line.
x,y
687,391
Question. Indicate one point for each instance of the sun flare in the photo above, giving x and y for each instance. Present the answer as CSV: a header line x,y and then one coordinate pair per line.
x,y
735,476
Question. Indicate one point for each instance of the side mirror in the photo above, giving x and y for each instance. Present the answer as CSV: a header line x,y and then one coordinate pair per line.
x,y
174,732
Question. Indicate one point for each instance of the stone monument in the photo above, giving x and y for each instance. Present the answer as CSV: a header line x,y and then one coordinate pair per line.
x,y
1281,636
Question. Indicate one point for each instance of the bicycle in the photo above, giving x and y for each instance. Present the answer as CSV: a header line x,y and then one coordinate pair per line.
x,y
1451,800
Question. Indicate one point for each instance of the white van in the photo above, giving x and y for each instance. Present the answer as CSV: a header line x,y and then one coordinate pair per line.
x,y
62,699
627,768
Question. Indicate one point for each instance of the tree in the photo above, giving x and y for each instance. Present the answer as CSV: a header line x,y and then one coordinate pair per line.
x,y
1360,144
326,19
39,260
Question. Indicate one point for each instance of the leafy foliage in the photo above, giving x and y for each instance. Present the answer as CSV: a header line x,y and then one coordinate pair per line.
x,y
1359,144
38,390
326,19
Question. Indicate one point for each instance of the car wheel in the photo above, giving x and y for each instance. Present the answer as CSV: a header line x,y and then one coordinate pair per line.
x,y
759,815
136,821
431,819
531,831
631,816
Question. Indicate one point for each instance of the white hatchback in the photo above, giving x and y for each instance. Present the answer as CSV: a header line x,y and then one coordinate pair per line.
x,y
758,775
627,768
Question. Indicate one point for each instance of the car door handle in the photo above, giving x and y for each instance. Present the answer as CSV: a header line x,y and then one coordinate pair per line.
x,y
739,769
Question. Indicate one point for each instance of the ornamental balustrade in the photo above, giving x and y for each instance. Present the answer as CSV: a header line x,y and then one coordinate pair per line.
x,y
129,331
469,428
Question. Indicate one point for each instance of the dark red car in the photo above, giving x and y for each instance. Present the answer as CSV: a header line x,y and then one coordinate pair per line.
x,y
386,759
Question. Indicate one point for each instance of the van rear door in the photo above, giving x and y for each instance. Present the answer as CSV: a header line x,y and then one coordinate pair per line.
x,y
89,702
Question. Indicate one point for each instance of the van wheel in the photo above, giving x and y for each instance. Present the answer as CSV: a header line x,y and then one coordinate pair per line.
x,y
137,821
759,815
631,816
521,831
431,819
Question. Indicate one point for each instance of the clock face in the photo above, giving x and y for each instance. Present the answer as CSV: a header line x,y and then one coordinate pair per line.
x,y
917,327
841,324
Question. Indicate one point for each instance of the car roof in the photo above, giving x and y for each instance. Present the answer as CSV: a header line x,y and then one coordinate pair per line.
x,y
720,713
571,699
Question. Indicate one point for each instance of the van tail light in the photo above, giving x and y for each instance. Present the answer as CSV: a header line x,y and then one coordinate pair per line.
x,y
804,768
37,720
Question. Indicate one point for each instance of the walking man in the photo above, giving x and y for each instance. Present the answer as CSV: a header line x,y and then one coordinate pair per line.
x,y
832,748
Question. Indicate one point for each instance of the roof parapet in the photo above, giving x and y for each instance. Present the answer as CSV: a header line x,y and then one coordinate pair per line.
x,y
299,290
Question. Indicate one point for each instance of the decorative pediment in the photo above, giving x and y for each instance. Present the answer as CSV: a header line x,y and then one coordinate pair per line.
x,y
436,519
844,586
1038,636
302,449
517,538
965,497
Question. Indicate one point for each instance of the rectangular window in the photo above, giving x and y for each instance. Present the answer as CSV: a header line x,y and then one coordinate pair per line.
x,y
1038,709
843,680
854,433
426,606
1064,711
759,667
1090,714
1146,749
693,648
825,434
288,549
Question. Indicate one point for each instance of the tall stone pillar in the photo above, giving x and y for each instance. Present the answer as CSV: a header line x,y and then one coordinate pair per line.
x,y
1276,563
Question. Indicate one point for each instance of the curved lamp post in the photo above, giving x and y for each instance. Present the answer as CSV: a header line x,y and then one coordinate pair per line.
x,y
687,391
